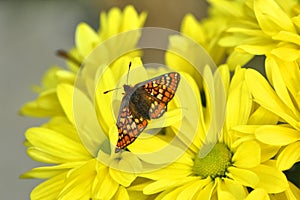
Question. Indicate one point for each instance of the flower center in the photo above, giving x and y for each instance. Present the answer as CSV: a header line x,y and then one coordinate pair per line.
x,y
215,163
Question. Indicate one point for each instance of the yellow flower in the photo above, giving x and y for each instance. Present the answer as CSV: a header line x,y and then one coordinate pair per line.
x,y
284,102
80,145
75,173
86,39
47,103
272,31
233,165
209,31
115,22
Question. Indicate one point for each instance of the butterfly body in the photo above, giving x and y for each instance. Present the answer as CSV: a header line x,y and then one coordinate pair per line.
x,y
144,101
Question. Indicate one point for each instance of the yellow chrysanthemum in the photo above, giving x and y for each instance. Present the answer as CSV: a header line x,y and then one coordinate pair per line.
x,y
86,39
233,165
76,174
207,33
283,101
210,30
80,146
272,31
242,161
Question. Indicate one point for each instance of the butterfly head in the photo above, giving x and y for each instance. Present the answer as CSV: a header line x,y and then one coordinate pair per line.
x,y
126,87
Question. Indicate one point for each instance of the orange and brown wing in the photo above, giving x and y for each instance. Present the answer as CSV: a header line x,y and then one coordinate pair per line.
x,y
160,90
129,127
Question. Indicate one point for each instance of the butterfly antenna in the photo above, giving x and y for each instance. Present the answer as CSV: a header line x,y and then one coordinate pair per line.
x,y
64,54
128,73
111,90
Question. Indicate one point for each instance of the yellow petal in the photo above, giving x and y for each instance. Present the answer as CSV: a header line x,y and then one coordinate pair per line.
x,y
225,75
207,191
247,155
239,106
258,194
243,176
256,49
296,20
238,58
50,171
191,190
237,78
270,178
130,19
266,97
228,8
65,76
65,96
271,17
232,40
288,37
262,116
62,125
216,103
291,75
40,156
108,187
229,189
192,119
79,182
172,194
173,170
268,151
148,149
112,23
57,145
247,31
289,156
101,174
165,184
49,80
191,27
276,78
45,105
81,112
246,129
224,195
277,135
104,101
49,189
121,177
86,39
123,194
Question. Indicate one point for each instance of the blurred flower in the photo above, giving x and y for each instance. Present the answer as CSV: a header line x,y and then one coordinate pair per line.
x,y
86,39
209,31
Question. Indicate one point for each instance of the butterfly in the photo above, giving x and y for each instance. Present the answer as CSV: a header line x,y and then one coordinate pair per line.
x,y
144,101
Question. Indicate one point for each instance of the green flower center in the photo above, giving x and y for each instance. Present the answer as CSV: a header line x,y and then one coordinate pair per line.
x,y
215,163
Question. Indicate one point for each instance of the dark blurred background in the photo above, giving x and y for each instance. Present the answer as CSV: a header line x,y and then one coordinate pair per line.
x,y
30,33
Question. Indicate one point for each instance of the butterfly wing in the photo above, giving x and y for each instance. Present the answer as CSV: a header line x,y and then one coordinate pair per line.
x,y
129,125
160,90
146,100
